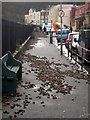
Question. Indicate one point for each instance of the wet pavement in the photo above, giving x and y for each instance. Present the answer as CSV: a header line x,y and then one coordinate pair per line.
x,y
51,86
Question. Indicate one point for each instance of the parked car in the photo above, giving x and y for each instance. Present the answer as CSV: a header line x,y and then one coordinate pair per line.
x,y
65,33
48,28
74,41
84,42
70,37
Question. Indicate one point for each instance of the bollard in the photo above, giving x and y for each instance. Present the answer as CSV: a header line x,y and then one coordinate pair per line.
x,y
71,51
76,54
51,37
82,64
68,49
61,47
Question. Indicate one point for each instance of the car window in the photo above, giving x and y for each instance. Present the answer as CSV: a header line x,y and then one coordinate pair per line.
x,y
59,32
76,36
68,31
71,36
64,32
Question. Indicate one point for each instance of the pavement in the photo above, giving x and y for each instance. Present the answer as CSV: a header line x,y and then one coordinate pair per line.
x,y
51,87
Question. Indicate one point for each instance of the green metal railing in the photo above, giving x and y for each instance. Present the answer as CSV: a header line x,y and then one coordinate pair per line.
x,y
75,55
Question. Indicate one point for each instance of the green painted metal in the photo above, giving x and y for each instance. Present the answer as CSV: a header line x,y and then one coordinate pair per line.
x,y
11,72
64,36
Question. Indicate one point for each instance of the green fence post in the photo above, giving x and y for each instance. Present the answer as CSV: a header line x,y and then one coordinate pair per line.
x,y
76,55
82,64
71,51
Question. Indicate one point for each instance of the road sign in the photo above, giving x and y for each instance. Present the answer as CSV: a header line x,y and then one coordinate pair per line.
x,y
61,13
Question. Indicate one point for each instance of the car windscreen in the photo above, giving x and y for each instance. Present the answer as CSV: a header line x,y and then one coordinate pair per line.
x,y
76,36
64,32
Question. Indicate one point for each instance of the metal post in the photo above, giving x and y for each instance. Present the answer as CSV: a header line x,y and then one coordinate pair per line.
x,y
71,51
82,64
68,49
76,55
61,38
61,33
51,37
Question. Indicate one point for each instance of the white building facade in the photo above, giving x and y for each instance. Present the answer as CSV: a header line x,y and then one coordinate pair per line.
x,y
44,16
33,17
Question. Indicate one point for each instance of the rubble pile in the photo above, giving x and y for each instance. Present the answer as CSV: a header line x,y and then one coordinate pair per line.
x,y
55,76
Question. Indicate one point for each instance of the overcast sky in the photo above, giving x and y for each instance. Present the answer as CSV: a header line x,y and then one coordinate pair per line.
x,y
44,1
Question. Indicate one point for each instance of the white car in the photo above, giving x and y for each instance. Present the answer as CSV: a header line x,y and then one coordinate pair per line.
x,y
75,40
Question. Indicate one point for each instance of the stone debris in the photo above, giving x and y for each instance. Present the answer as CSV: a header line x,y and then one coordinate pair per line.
x,y
15,105
26,73
19,111
15,116
7,103
74,87
18,94
16,100
38,97
35,91
42,91
43,105
46,73
18,105
29,71
75,80
43,84
54,97
5,112
66,65
49,89
12,106
10,116
26,103
33,102
27,85
48,96
12,95
42,102
72,99
30,98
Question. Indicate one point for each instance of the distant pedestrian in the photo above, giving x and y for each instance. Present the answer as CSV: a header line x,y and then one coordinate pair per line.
x,y
40,29
44,29
71,28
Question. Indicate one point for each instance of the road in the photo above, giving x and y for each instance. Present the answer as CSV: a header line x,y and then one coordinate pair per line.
x,y
51,87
